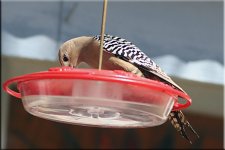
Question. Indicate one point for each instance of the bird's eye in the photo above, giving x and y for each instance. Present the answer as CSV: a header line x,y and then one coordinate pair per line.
x,y
65,58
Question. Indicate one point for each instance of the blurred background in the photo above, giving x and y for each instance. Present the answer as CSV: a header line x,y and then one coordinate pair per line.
x,y
184,37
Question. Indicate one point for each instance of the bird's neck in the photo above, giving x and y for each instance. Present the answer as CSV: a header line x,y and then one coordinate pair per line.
x,y
90,55
83,41
89,51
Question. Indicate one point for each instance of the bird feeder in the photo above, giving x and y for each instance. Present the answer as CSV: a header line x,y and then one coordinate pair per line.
x,y
91,97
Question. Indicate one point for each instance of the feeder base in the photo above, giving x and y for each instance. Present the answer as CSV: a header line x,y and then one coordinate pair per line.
x,y
93,112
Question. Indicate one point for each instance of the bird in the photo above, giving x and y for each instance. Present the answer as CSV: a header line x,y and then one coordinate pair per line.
x,y
120,54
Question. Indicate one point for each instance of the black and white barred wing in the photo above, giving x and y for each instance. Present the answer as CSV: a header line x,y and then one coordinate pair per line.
x,y
129,52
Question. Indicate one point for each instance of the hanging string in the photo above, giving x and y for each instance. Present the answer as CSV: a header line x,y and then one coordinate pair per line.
x,y
102,34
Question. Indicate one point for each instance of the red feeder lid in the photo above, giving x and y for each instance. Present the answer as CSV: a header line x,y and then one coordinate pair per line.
x,y
118,76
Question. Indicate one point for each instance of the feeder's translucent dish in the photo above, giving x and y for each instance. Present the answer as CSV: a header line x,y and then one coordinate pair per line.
x,y
100,103
96,98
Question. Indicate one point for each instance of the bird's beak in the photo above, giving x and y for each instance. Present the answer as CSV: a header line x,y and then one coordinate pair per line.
x,y
73,65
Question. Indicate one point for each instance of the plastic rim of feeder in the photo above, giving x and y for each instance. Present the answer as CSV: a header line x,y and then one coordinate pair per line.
x,y
91,97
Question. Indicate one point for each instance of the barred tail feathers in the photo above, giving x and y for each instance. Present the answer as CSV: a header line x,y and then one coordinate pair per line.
x,y
180,123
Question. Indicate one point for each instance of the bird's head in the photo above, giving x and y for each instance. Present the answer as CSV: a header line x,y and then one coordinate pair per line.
x,y
69,52
66,53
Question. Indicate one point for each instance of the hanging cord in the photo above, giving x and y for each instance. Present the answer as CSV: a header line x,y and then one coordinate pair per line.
x,y
102,34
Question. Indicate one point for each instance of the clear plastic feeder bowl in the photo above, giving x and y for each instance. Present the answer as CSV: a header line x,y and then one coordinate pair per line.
x,y
97,97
